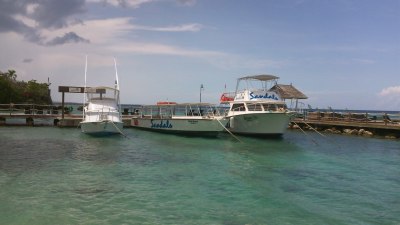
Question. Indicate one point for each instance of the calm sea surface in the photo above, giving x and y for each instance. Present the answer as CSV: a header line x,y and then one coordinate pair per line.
x,y
51,175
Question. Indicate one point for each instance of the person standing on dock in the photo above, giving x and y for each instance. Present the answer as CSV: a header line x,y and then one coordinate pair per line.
x,y
386,118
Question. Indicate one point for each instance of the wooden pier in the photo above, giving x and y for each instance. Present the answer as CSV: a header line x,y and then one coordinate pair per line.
x,y
48,120
43,115
349,123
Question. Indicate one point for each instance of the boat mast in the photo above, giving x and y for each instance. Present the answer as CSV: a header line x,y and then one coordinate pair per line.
x,y
84,92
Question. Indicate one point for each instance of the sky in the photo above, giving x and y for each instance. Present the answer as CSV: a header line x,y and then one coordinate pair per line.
x,y
343,54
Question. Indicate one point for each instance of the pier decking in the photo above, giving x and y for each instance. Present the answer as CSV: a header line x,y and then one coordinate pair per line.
x,y
43,115
380,125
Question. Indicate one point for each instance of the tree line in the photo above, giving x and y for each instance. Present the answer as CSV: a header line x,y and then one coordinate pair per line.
x,y
21,92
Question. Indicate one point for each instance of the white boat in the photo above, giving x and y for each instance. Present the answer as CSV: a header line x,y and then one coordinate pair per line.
x,y
200,119
256,110
102,114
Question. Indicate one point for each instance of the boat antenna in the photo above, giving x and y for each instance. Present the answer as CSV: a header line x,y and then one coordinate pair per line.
x,y
117,87
84,91
116,75
237,87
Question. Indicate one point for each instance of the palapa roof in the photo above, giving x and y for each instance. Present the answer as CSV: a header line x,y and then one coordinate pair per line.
x,y
288,91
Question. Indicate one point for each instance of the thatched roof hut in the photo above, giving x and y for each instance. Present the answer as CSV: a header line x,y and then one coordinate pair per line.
x,y
288,91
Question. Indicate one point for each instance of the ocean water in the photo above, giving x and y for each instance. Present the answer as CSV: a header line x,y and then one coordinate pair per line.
x,y
52,175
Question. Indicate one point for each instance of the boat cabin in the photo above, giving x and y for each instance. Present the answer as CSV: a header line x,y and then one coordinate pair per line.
x,y
161,111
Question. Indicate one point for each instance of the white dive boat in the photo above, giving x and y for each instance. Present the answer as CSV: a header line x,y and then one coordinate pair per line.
x,y
256,110
201,119
102,114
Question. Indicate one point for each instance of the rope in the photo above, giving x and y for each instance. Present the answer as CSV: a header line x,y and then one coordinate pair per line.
x,y
312,139
312,128
116,127
229,131
318,133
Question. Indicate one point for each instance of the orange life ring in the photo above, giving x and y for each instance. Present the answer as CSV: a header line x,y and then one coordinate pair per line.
x,y
225,98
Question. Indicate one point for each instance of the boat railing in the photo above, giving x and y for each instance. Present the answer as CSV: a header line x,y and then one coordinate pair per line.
x,y
169,116
203,111
104,114
299,109
212,112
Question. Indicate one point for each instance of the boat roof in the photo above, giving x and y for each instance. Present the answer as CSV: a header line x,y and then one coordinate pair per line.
x,y
261,77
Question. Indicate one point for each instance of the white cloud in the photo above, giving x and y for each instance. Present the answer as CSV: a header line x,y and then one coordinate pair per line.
x,y
137,3
122,3
389,98
390,91
25,20
187,2
155,48
115,34
97,31
193,27
113,30
217,58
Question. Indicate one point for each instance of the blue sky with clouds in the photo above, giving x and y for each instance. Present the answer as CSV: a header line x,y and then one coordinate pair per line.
x,y
340,53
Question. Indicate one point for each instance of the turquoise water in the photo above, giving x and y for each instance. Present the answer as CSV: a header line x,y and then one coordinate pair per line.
x,y
50,175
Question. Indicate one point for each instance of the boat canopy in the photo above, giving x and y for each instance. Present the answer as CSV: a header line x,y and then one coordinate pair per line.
x,y
262,77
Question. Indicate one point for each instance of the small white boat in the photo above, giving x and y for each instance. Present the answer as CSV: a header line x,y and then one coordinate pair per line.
x,y
102,114
200,119
256,110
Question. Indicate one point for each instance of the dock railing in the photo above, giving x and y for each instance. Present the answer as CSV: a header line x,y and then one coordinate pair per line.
x,y
31,109
351,117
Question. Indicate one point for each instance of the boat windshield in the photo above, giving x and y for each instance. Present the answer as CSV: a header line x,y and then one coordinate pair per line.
x,y
101,93
237,107
274,107
254,107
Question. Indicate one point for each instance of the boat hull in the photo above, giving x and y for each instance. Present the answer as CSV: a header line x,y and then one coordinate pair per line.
x,y
259,124
195,127
101,128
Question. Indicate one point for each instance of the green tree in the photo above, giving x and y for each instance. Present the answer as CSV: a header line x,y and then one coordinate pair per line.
x,y
37,93
8,87
13,91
